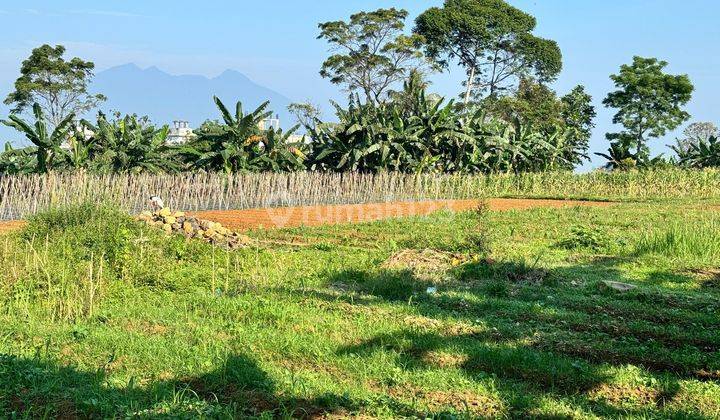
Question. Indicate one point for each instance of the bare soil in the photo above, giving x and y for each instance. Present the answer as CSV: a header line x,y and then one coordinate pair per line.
x,y
272,218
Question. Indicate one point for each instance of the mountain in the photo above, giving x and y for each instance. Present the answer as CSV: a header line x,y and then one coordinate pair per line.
x,y
165,97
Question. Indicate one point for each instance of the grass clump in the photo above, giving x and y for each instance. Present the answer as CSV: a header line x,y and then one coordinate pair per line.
x,y
696,242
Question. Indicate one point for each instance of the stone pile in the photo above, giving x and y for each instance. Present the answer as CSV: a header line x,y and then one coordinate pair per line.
x,y
192,227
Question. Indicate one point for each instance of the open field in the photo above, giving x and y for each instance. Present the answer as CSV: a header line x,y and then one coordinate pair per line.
x,y
102,317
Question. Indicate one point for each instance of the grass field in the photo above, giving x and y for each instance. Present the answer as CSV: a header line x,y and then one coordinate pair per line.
x,y
103,317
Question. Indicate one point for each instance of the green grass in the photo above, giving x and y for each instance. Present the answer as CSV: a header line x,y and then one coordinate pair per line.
x,y
697,241
335,320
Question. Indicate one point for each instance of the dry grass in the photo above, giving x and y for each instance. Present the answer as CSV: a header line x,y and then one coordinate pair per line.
x,y
21,196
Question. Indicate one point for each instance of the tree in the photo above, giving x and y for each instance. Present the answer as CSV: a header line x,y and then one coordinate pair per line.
x,y
238,144
127,144
492,40
649,103
578,115
536,105
305,113
371,52
696,133
48,144
58,86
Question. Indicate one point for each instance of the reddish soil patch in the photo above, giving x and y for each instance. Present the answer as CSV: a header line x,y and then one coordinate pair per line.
x,y
323,215
11,225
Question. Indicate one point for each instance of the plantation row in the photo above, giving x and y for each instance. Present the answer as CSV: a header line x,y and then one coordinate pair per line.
x,y
23,195
413,134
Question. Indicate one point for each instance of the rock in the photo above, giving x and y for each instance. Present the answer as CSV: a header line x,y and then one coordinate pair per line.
x,y
192,227
187,227
620,287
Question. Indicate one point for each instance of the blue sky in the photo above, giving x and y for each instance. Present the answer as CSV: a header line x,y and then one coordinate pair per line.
x,y
273,42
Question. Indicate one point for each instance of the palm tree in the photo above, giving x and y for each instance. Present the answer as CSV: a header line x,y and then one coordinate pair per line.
x,y
48,146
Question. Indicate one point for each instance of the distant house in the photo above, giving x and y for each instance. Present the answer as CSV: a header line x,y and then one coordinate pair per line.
x,y
269,123
180,132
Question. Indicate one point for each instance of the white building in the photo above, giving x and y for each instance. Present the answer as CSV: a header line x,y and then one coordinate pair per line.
x,y
180,132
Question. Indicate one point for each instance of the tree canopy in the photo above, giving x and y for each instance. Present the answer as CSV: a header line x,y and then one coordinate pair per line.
x,y
371,52
492,40
60,87
648,102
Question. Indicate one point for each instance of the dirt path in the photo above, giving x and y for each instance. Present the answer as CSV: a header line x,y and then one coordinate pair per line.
x,y
319,215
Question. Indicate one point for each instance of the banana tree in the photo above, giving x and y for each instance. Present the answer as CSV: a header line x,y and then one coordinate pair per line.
x,y
48,145
275,152
17,161
131,144
619,156
228,147
700,154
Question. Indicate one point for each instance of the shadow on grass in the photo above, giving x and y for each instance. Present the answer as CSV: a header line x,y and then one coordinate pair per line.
x,y
559,331
32,388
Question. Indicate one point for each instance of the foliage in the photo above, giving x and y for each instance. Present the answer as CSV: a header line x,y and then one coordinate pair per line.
x,y
371,53
649,103
578,115
696,132
419,134
584,237
127,144
48,145
536,105
306,114
700,153
60,87
16,161
492,40
238,144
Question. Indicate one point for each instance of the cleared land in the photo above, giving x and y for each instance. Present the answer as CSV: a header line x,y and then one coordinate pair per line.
x,y
353,213
334,321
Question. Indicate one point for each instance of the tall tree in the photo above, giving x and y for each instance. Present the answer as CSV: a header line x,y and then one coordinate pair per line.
x,y
60,87
371,52
492,40
578,115
649,103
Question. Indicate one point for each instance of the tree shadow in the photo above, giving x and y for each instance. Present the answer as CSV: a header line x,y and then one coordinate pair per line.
x,y
549,330
32,388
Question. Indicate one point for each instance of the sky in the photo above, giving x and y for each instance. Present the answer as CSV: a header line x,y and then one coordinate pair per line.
x,y
274,42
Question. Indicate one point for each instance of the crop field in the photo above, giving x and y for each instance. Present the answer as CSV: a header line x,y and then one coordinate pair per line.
x,y
479,313
24,195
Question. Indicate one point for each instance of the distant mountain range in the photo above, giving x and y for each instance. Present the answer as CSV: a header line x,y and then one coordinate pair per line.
x,y
165,97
